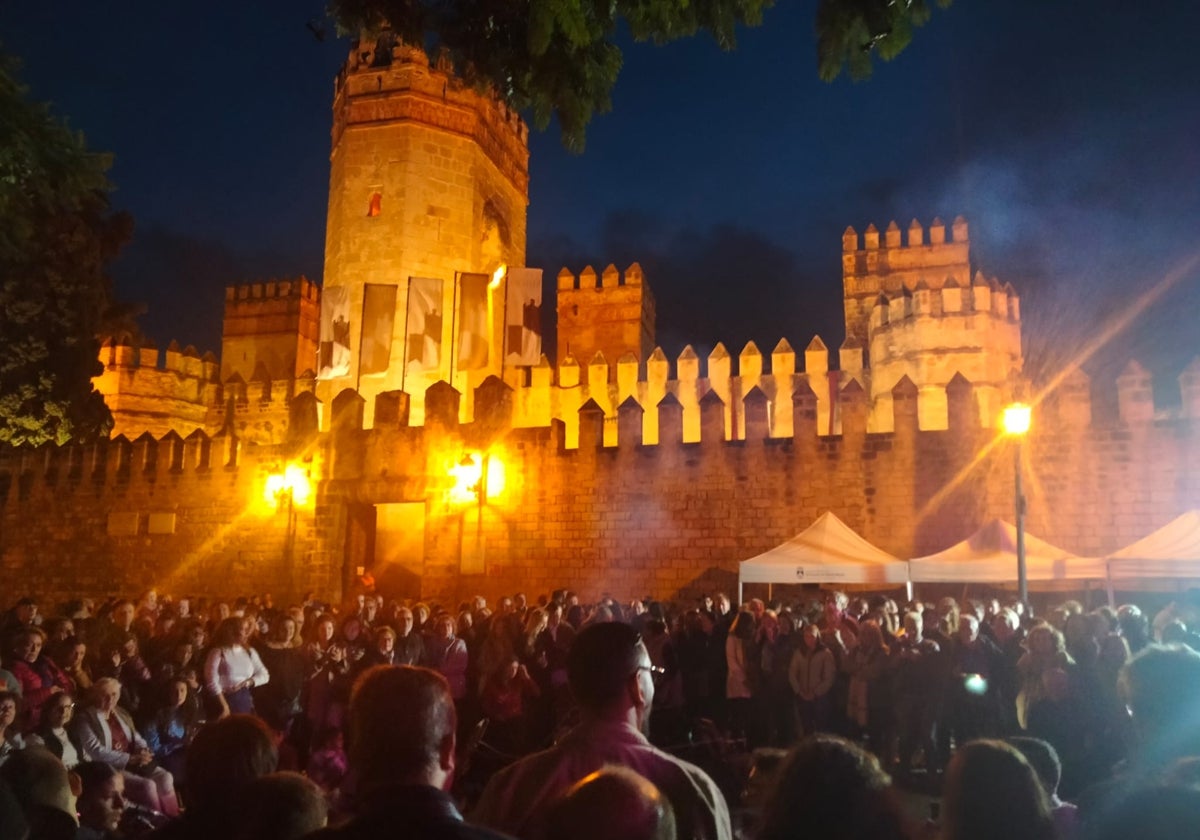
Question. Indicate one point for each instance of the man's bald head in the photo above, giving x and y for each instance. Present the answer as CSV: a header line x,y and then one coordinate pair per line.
x,y
612,802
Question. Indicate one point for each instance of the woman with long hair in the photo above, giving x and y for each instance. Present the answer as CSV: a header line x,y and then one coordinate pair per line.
x,y
279,700
992,793
830,788
869,697
10,733
54,735
233,668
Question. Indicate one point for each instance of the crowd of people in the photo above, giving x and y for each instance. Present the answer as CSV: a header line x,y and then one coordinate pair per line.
x,y
557,719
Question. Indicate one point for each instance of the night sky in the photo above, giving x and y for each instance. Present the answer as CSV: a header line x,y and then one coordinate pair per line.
x,y
1068,134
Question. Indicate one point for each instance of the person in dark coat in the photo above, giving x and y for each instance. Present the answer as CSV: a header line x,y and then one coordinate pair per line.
x,y
402,753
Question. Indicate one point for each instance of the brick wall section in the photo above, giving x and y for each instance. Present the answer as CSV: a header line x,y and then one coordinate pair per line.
x,y
668,519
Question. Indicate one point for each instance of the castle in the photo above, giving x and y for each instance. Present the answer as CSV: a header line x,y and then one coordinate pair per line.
x,y
332,440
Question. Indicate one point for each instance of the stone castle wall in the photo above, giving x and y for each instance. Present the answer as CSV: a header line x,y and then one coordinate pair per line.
x,y
616,515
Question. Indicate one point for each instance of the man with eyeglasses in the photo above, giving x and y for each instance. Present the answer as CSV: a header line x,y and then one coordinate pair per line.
x,y
612,678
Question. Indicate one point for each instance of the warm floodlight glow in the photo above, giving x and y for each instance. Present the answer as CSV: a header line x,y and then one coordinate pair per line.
x,y
476,473
292,483
1016,419
498,275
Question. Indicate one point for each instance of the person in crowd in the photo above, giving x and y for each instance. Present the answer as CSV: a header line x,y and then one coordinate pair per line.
x,y
868,701
42,788
40,678
233,668
740,673
1045,650
222,760
402,733
281,806
696,650
71,657
612,678
611,802
775,646
23,615
327,766
278,701
1044,760
504,701
107,733
410,646
992,793
811,674
448,654
11,739
973,701
101,801
352,637
554,644
328,686
55,734
915,686
130,669
383,650
172,728
831,788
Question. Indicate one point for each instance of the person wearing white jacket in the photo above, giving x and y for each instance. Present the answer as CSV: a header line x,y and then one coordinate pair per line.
x,y
107,734
811,673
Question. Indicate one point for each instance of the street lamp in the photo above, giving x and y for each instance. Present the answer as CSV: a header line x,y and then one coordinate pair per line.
x,y
1016,422
283,490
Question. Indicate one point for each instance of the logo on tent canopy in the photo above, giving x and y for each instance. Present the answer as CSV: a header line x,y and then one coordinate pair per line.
x,y
799,573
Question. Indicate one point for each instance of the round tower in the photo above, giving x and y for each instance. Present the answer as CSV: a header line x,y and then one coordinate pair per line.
x,y
429,178
922,315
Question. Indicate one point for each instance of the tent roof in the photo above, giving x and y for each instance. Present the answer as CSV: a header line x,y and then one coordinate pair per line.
x,y
990,556
1172,551
827,551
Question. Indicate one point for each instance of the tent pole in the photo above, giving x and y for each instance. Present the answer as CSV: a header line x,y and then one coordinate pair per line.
x,y
739,603
1108,585
770,591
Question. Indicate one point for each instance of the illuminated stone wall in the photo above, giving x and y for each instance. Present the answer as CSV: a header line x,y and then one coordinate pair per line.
x,y
632,518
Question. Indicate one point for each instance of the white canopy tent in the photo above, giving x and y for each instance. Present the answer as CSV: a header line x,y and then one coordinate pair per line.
x,y
1173,552
828,551
990,556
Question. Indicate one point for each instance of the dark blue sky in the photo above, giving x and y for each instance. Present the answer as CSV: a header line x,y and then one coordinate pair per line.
x,y
1066,133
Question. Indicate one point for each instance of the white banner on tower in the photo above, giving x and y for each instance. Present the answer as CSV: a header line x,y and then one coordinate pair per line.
x,y
523,317
424,325
334,350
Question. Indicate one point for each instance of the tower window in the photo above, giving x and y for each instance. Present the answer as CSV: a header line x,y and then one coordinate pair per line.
x,y
375,205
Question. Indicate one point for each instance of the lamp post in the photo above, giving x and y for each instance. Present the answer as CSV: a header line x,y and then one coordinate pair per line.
x,y
284,490
1016,422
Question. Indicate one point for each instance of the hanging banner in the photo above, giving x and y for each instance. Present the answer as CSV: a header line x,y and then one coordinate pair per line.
x,y
424,351
472,322
379,319
523,317
334,352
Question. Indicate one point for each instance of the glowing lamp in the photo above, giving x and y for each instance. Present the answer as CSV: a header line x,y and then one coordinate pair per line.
x,y
292,483
1016,419
476,478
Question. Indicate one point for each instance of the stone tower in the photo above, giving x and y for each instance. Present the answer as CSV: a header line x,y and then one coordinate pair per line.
x,y
428,178
917,312
610,314
270,328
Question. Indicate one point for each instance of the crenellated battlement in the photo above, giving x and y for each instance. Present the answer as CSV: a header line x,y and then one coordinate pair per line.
x,y
611,314
149,391
871,268
287,287
386,80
